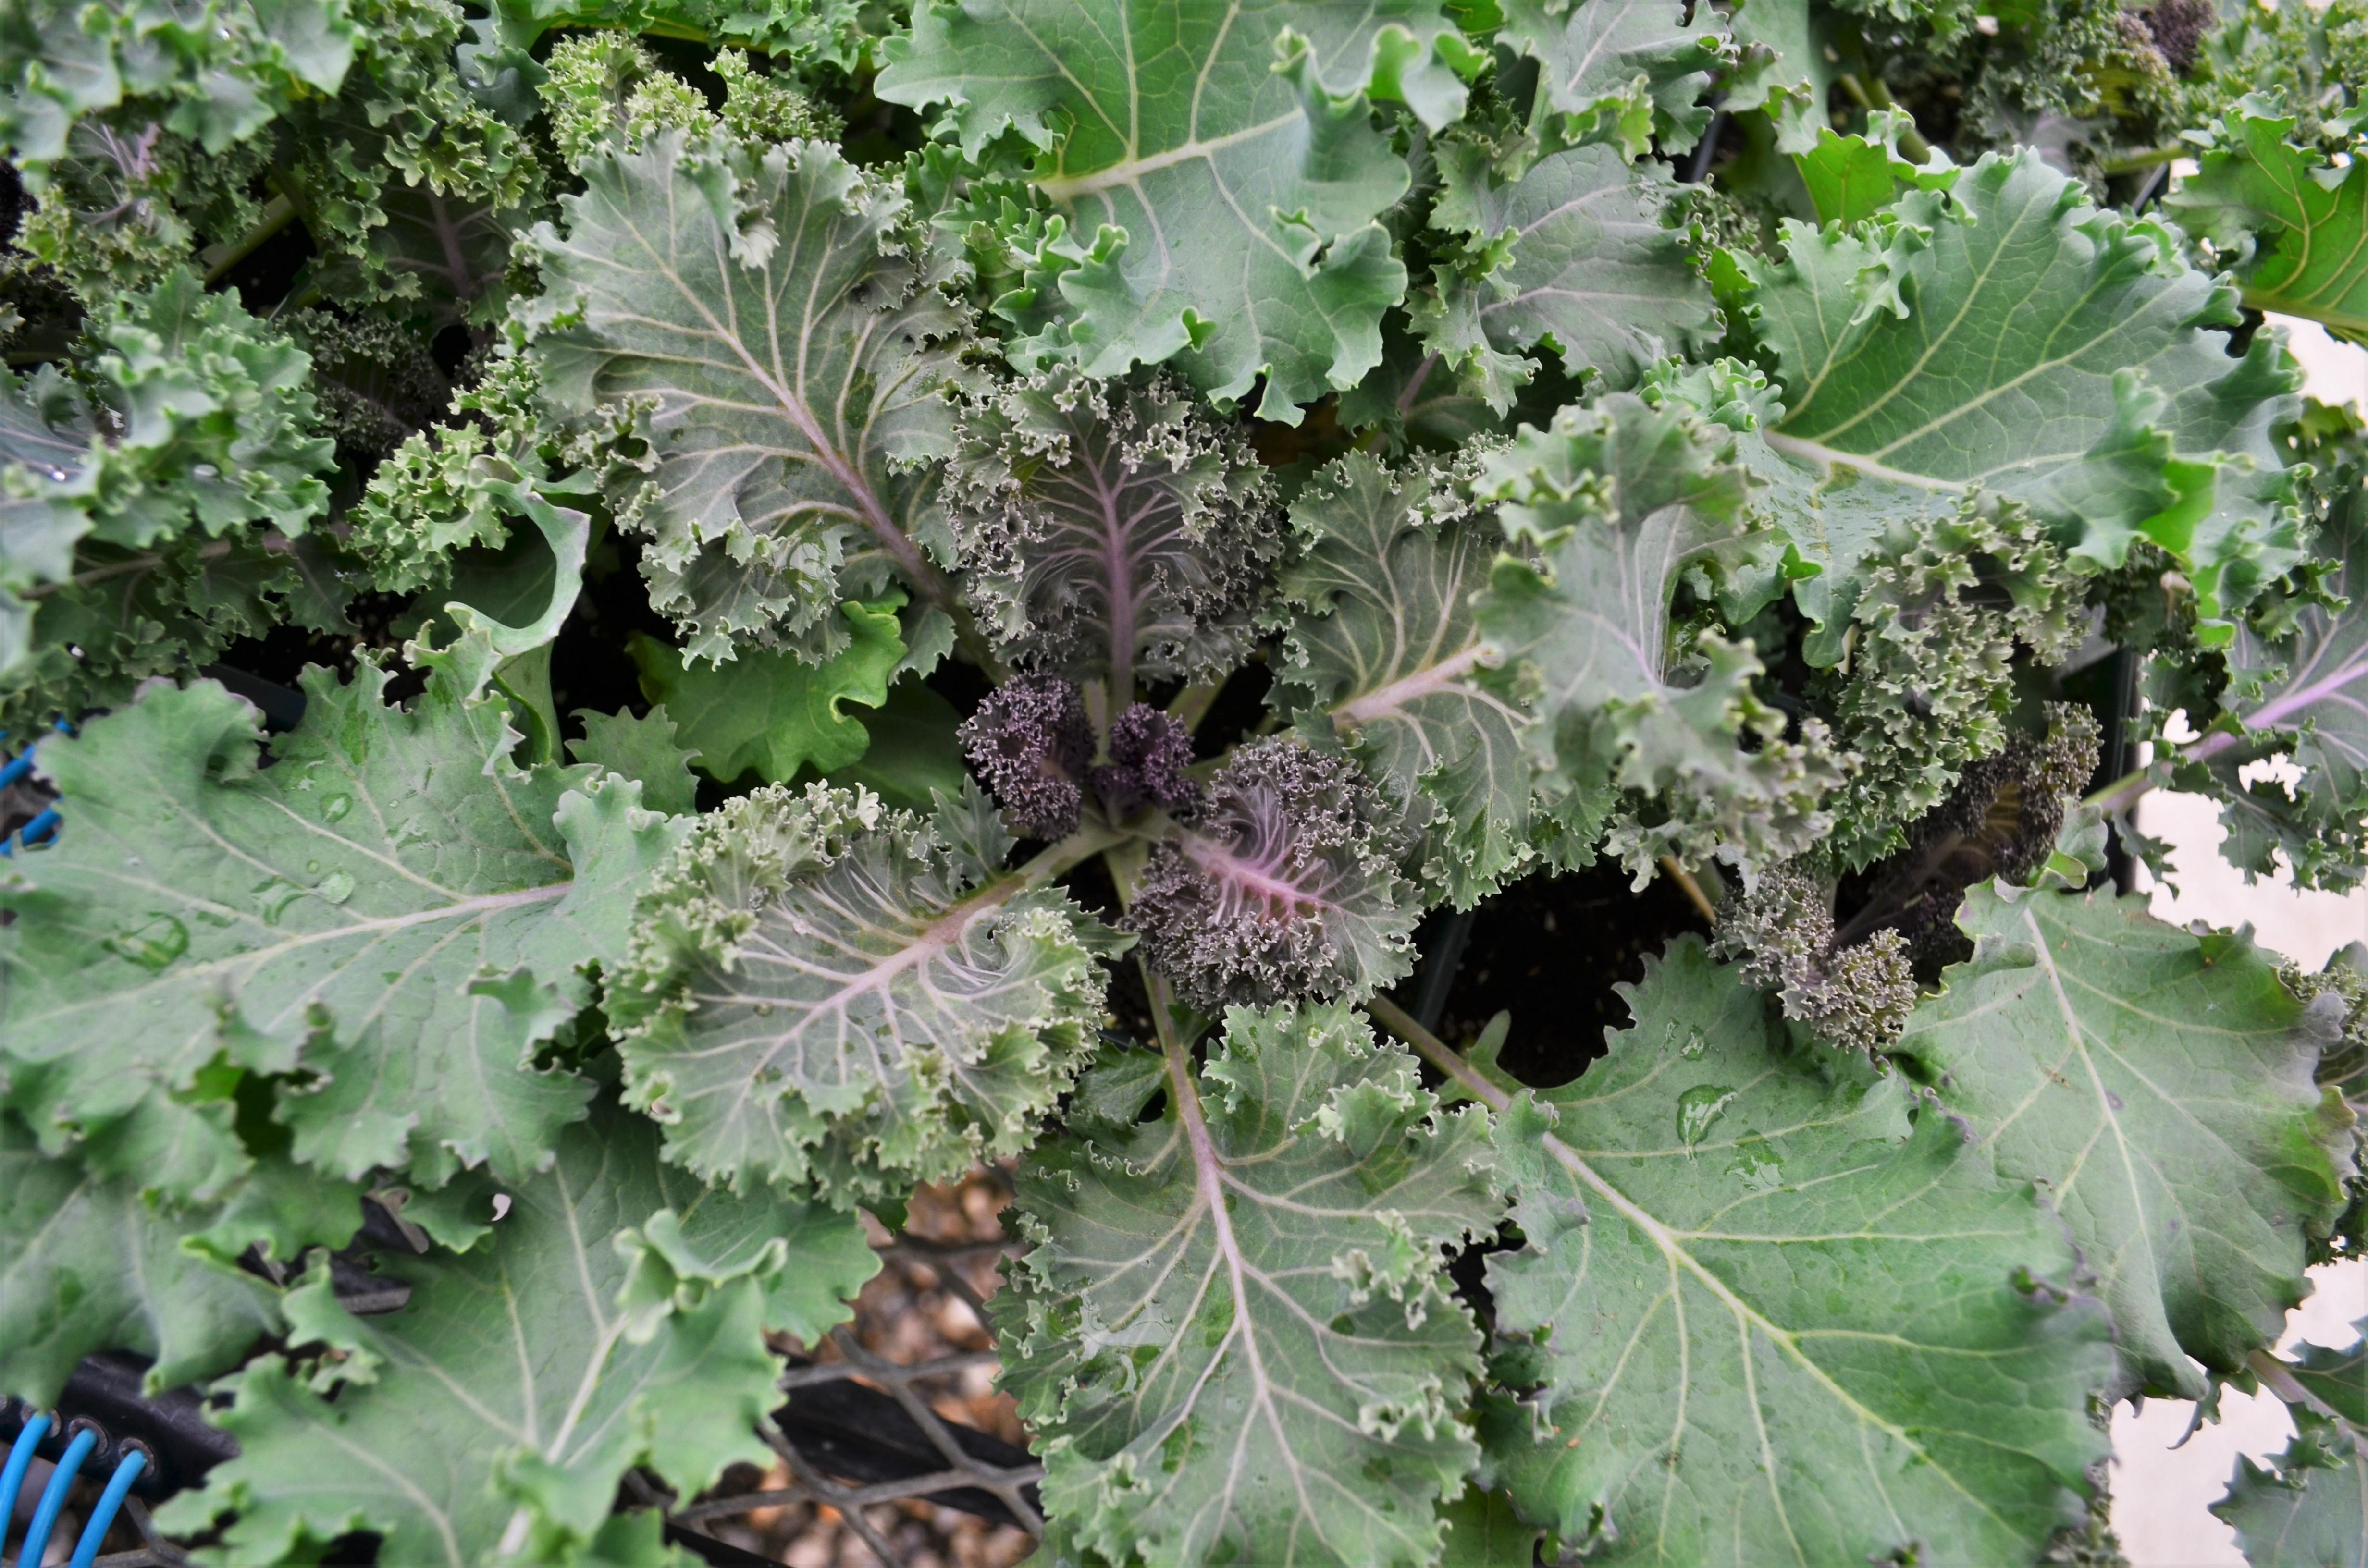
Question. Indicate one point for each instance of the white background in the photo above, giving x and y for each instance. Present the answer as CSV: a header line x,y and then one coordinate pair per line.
x,y
2161,1492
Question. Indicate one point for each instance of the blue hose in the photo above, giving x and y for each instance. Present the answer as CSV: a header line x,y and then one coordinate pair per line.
x,y
53,1500
44,826
53,1496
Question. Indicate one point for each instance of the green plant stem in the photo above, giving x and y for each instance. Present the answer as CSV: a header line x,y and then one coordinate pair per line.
x,y
1691,889
1192,703
278,213
1431,1049
1870,94
2137,163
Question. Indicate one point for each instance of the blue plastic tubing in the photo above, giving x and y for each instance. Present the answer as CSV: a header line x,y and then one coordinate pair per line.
x,y
53,1496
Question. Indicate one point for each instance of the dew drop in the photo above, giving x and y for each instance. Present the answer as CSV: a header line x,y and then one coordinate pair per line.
x,y
1695,1046
335,807
337,887
153,945
1698,1108
764,1009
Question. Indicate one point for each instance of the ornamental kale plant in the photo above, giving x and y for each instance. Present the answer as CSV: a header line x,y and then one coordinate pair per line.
x,y
639,624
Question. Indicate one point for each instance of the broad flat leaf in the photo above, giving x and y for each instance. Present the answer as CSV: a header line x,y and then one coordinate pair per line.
x,y
1386,652
2297,226
1110,531
769,711
1234,1335
1592,266
1626,73
1785,1312
821,983
2311,1510
2012,336
2158,1085
1622,500
391,903
85,1265
1224,155
614,1316
793,352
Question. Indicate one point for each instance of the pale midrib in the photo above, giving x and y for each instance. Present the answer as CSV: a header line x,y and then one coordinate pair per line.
x,y
1068,187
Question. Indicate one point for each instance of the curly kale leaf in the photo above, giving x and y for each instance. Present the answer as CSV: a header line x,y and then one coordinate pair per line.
x,y
777,362
1111,531
615,1316
1234,1332
1626,73
1621,501
1576,254
2294,222
1743,1266
2159,1085
216,71
1224,159
822,986
2297,692
1284,885
1386,652
390,906
2009,336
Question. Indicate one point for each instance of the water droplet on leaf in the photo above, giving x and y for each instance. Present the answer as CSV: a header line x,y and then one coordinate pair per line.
x,y
153,945
337,887
335,807
1698,1108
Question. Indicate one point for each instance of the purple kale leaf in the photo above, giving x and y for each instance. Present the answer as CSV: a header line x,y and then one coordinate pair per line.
x,y
1285,888
1029,744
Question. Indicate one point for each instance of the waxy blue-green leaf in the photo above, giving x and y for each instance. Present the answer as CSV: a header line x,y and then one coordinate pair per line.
x,y
1582,259
2009,336
615,1315
821,986
392,905
1784,1312
2158,1084
2295,221
1223,157
1233,1334
1625,73
793,360
2309,1508
1386,653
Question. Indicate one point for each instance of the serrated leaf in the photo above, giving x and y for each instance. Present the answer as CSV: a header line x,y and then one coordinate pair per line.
x,y
2296,223
820,982
2158,1084
2298,693
914,757
2311,1510
523,1376
1224,156
2012,336
1621,501
1385,651
1111,531
1853,178
86,1265
768,712
1593,270
1625,73
788,355
1784,1312
1234,1334
335,910
645,750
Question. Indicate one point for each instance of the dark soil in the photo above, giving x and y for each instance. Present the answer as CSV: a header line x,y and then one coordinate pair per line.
x,y
1550,949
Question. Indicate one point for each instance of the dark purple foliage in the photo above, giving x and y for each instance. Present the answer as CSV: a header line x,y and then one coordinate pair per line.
x,y
1284,888
1029,743
1149,753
